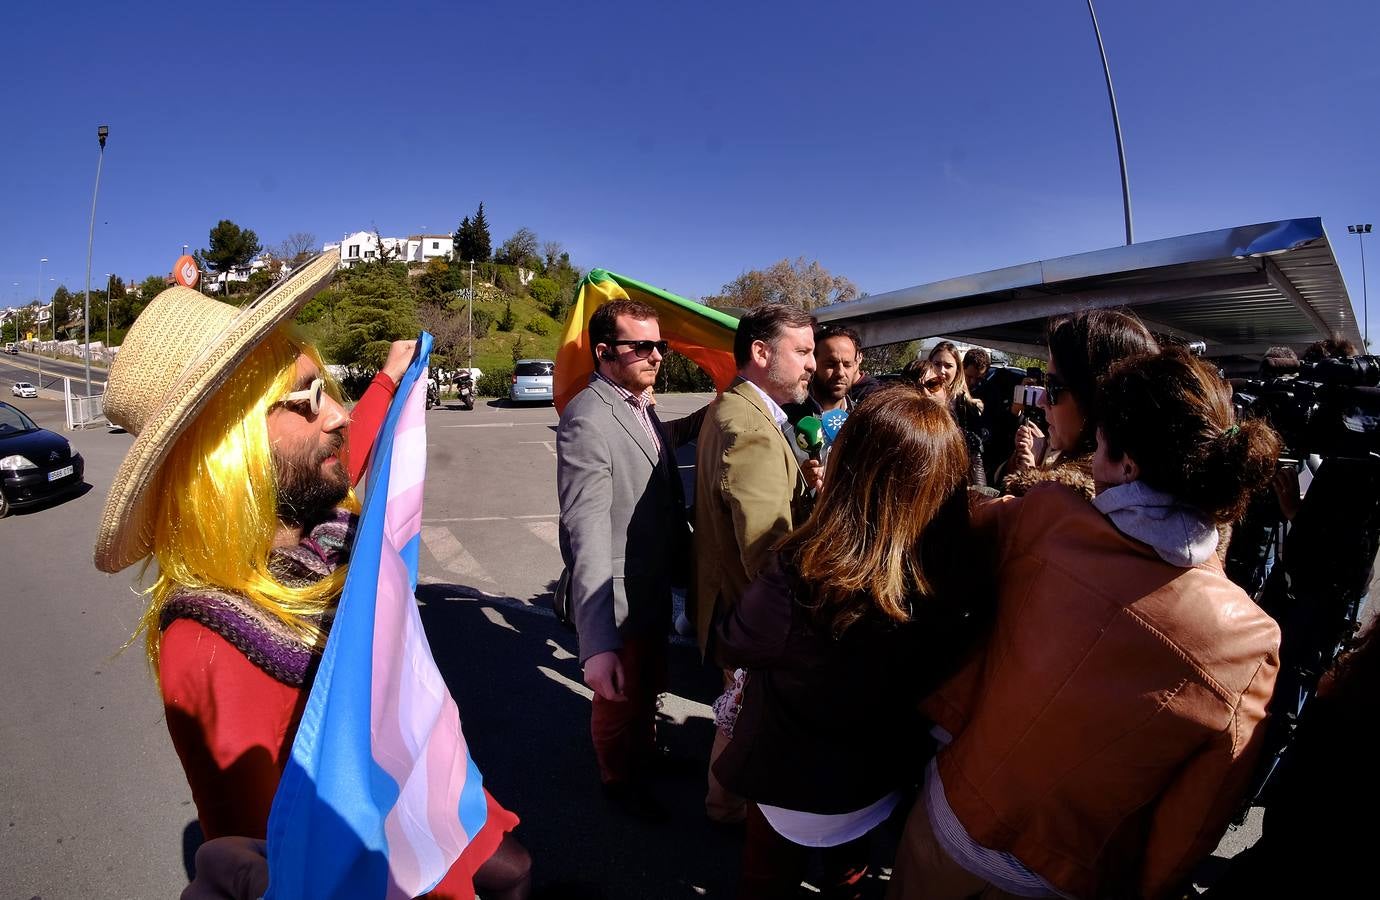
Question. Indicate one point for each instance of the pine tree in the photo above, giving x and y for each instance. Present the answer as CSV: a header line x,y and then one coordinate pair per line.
x,y
464,241
483,244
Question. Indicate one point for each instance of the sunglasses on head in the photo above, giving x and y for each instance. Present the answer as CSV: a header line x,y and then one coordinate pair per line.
x,y
311,396
643,349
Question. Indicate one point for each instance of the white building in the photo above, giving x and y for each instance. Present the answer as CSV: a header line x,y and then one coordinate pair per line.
x,y
426,247
214,282
367,246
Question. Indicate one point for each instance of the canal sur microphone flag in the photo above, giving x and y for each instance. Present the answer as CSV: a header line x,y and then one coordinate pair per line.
x,y
700,332
380,795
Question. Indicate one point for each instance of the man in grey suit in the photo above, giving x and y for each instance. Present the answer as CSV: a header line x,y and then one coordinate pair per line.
x,y
623,537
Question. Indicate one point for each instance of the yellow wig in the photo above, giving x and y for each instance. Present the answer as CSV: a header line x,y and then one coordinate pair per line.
x,y
217,501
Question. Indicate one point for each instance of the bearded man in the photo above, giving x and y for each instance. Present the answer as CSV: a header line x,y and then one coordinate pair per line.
x,y
237,487
750,490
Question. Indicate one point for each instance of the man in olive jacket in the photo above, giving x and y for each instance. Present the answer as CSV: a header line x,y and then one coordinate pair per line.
x,y
749,490
623,538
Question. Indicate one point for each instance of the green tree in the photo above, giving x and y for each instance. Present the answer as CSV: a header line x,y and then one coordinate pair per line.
x,y
230,246
548,295
62,308
375,308
433,282
509,320
261,280
472,241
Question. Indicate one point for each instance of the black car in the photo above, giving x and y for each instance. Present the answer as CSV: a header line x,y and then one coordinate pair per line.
x,y
35,463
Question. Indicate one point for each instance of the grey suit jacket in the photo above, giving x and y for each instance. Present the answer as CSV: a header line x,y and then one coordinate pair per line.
x,y
623,531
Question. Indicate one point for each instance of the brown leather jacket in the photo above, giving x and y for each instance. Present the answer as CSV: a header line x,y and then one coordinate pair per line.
x,y
1106,733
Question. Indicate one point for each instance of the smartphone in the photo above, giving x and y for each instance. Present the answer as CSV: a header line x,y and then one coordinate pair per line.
x,y
1027,394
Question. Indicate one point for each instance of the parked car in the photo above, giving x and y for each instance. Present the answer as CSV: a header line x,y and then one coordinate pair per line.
x,y
35,463
532,381
24,389
11,348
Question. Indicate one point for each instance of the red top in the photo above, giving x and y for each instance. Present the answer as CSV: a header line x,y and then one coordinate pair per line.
x,y
233,724
365,421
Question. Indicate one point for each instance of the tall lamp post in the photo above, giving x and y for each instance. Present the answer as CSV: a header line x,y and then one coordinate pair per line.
x,y
109,280
470,313
1361,231
39,323
102,132
1116,124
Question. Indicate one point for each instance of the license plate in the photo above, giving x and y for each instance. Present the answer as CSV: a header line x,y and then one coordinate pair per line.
x,y
535,390
60,473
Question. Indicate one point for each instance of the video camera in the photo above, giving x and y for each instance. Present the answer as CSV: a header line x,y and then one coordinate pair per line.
x,y
1331,407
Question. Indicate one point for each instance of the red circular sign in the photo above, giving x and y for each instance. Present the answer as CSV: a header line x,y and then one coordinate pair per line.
x,y
185,271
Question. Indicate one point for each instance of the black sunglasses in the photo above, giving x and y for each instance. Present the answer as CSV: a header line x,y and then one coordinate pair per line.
x,y
1054,388
643,349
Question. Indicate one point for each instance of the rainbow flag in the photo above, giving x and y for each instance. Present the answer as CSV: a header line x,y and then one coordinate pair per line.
x,y
380,794
702,333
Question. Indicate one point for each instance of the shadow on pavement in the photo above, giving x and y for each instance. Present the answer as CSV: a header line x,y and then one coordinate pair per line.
x,y
512,669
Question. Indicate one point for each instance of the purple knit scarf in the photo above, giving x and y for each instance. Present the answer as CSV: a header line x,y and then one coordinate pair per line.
x,y
263,639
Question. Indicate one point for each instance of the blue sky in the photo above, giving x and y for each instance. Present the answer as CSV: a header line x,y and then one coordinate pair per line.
x,y
898,143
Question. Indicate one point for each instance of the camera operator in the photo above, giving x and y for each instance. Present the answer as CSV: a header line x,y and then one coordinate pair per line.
x,y
1317,587
1318,831
1253,539
1082,348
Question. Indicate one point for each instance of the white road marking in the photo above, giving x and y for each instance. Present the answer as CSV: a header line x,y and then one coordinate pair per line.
x,y
496,425
452,555
549,445
547,531
557,651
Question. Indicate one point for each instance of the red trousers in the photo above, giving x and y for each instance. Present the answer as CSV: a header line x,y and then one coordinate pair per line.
x,y
774,866
624,732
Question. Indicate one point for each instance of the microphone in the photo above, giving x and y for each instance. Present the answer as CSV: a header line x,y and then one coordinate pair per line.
x,y
833,420
809,436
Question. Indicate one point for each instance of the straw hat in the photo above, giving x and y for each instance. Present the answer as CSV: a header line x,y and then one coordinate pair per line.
x,y
179,352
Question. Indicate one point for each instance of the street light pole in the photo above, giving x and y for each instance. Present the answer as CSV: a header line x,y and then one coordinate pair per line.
x,y
470,313
1116,124
109,280
102,132
1361,231
39,324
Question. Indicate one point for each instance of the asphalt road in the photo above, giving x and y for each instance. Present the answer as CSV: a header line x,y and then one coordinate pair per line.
x,y
24,367
93,798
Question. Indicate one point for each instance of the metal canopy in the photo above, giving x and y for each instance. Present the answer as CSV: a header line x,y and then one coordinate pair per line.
x,y
1239,290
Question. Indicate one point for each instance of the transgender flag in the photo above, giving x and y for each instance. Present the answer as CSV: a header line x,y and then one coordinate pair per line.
x,y
380,795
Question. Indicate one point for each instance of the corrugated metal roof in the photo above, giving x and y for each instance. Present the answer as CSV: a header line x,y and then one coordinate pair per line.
x,y
1241,290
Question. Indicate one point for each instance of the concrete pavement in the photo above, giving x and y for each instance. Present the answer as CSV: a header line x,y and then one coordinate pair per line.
x,y
94,801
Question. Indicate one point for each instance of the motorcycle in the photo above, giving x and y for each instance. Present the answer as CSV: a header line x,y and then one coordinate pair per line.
x,y
464,388
433,395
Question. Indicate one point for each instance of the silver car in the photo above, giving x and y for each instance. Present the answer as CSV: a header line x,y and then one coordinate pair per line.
x,y
532,381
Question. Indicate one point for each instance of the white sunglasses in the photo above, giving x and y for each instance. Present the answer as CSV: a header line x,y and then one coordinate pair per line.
x,y
313,395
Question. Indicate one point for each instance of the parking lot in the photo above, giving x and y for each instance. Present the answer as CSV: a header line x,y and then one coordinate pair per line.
x,y
94,799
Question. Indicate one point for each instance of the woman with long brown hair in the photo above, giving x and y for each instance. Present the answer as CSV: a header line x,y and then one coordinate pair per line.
x,y
865,608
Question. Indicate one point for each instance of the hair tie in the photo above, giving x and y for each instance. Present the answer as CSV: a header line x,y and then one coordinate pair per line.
x,y
1231,431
